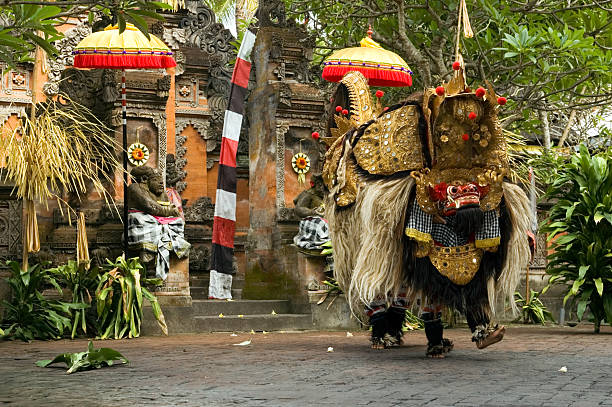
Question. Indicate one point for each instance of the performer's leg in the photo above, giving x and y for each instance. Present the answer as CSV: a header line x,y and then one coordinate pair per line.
x,y
396,315
378,322
437,346
483,334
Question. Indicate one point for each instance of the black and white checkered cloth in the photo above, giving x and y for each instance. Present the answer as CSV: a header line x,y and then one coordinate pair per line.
x,y
312,233
422,228
146,232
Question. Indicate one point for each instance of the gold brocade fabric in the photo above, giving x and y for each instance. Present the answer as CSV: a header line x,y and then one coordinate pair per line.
x,y
459,264
391,144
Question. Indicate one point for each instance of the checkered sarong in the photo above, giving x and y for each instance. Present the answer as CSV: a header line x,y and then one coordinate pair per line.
x,y
147,232
422,228
312,233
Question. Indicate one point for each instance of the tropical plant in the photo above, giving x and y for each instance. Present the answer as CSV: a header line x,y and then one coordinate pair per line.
x,y
91,359
29,315
579,226
549,57
25,25
119,300
533,311
412,322
81,281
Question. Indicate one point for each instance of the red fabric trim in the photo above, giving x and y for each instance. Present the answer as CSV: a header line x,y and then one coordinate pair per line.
x,y
229,148
223,232
242,71
376,77
111,61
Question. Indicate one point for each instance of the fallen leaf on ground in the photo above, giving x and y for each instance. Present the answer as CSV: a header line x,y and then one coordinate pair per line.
x,y
348,334
245,343
563,369
273,312
221,315
233,335
330,349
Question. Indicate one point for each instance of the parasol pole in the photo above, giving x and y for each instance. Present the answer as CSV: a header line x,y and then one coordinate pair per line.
x,y
125,163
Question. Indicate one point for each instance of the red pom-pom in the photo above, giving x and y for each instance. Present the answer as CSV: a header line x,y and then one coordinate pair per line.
x,y
456,65
385,109
472,115
501,100
465,137
440,91
338,109
344,112
480,92
380,93
315,135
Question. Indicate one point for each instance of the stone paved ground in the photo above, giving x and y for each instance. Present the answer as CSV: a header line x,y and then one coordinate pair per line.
x,y
295,369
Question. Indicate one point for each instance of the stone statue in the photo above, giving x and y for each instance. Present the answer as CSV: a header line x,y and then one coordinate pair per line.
x,y
155,227
313,229
172,177
310,201
147,193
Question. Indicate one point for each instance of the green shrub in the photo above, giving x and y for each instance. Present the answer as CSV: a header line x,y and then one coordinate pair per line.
x,y
82,281
532,311
29,315
580,229
119,300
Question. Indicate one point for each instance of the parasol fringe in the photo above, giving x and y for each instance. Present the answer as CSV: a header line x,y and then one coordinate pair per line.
x,y
376,77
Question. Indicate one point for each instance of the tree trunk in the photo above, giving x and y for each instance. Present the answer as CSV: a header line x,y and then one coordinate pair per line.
x,y
543,115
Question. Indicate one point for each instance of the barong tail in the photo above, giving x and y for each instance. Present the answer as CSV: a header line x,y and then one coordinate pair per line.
x,y
159,236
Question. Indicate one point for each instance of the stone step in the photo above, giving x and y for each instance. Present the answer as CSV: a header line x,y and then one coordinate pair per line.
x,y
201,293
239,307
262,322
202,280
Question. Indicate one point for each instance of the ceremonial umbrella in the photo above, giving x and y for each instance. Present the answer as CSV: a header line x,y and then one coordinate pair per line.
x,y
131,49
379,66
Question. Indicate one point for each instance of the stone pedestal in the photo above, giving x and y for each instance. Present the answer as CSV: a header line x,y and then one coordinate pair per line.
x,y
311,270
175,290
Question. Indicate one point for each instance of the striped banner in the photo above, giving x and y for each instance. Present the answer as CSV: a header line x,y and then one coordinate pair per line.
x,y
224,224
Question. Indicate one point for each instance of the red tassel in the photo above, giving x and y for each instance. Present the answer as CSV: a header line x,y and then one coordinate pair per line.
x,y
376,77
123,61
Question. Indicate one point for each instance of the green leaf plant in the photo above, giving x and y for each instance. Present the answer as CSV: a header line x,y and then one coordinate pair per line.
x,y
81,280
533,311
91,359
579,227
119,300
30,315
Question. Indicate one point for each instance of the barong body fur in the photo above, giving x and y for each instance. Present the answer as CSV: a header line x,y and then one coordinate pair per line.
x,y
368,240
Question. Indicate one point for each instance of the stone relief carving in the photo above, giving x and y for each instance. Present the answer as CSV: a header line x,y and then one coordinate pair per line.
x,y
201,126
199,258
282,127
64,58
201,211
10,110
159,120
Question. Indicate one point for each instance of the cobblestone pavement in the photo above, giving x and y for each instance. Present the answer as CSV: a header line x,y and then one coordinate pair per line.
x,y
295,369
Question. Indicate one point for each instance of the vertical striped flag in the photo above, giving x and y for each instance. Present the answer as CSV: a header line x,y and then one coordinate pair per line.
x,y
224,224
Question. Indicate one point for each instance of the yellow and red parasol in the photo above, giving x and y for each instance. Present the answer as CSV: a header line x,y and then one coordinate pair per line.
x,y
130,49
380,66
